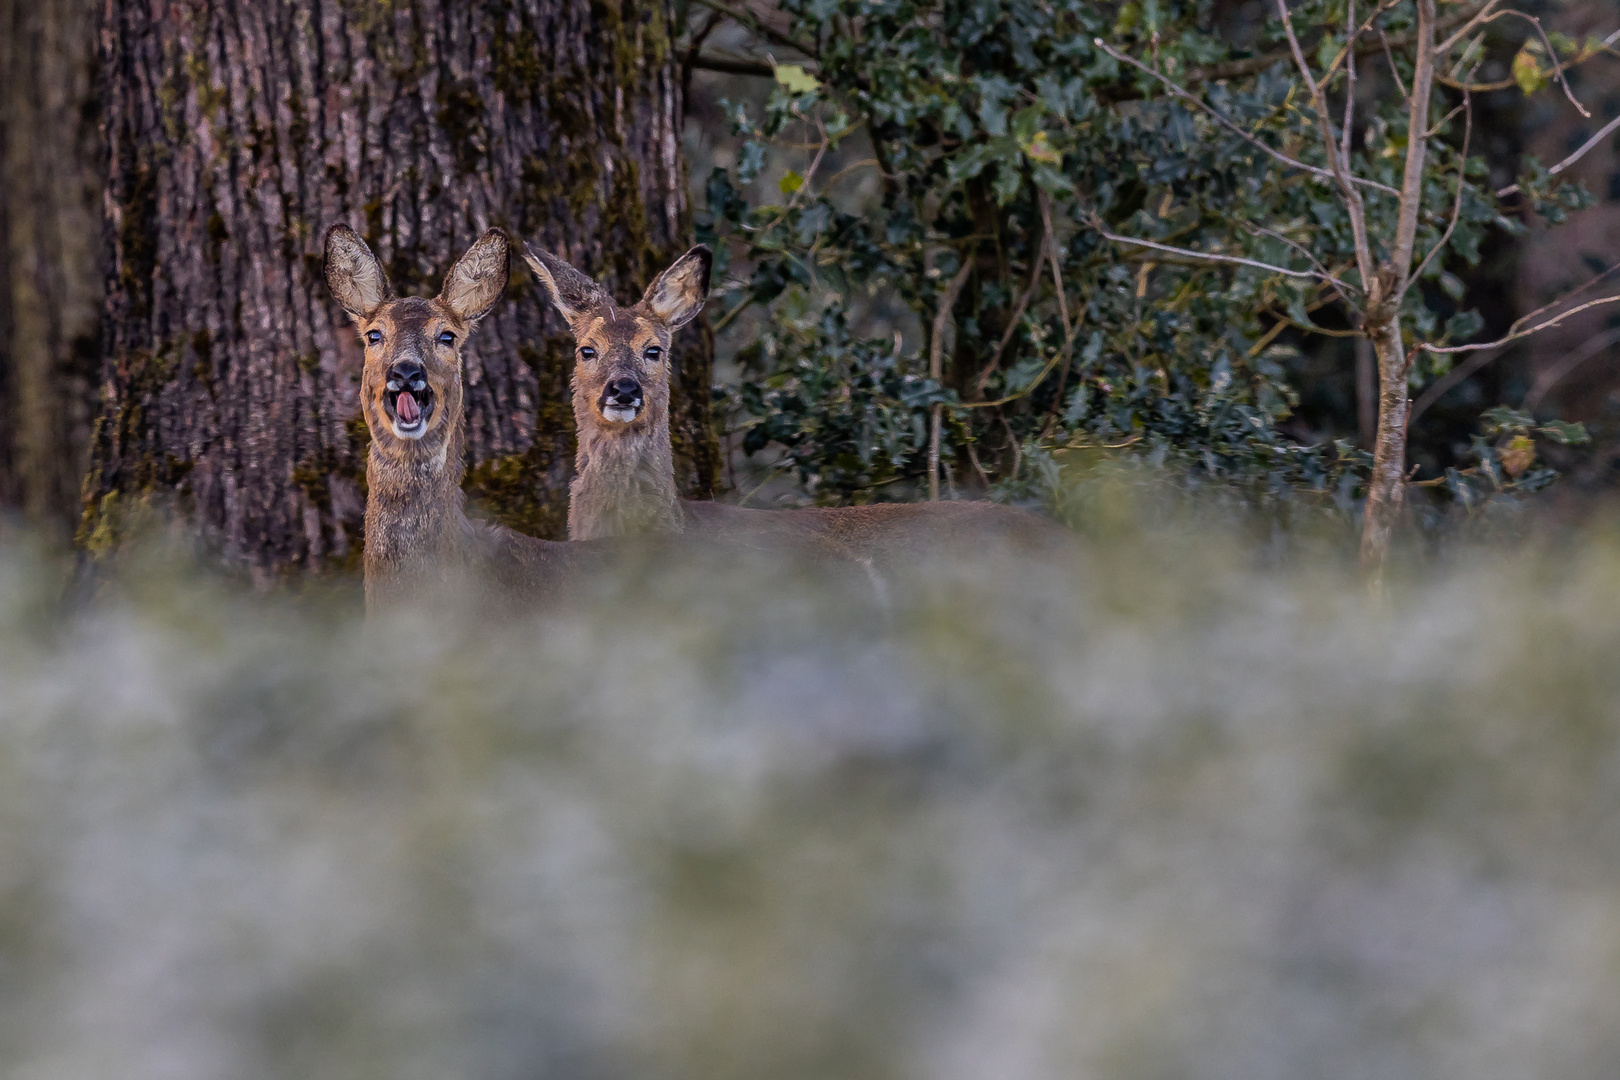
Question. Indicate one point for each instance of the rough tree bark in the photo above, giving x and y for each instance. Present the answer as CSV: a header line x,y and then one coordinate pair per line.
x,y
238,130
50,246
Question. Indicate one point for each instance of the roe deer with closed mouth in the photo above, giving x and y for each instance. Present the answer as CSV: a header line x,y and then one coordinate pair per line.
x,y
625,474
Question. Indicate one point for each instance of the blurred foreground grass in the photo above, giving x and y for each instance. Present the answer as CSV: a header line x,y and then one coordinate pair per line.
x,y
1181,813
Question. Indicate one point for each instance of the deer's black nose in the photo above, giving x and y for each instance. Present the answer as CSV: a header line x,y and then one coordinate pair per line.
x,y
623,391
407,375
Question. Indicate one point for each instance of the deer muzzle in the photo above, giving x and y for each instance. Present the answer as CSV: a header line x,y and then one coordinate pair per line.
x,y
407,399
621,400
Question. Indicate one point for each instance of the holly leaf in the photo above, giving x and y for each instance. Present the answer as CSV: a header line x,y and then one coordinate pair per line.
x,y
1565,433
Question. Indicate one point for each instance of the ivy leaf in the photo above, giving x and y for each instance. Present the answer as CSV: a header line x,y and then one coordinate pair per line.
x,y
790,183
796,80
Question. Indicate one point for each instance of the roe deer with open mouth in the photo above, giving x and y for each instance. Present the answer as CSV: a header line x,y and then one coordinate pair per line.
x,y
418,536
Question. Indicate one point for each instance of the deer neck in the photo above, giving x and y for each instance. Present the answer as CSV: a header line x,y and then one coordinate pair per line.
x,y
414,517
624,483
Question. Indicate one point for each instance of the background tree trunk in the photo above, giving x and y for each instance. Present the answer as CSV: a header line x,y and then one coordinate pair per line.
x,y
237,131
50,251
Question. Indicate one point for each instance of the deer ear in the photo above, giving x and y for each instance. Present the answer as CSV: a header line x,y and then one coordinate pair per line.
x,y
677,295
353,273
574,294
479,277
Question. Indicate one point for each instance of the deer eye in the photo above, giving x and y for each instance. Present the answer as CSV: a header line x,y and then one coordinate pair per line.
x,y
653,353
447,338
587,353
373,337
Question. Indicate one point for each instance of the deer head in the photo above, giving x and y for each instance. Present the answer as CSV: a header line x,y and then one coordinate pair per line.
x,y
410,387
621,369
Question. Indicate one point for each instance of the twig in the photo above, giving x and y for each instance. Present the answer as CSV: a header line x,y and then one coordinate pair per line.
x,y
1325,274
1230,125
1479,17
1426,347
1552,55
698,38
936,368
1586,147
728,317
1394,72
1069,329
1205,256
1018,313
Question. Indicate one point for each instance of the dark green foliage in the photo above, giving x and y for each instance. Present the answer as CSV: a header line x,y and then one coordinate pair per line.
x,y
989,119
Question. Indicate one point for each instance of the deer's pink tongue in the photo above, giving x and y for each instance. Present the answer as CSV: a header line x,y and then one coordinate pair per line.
x,y
405,408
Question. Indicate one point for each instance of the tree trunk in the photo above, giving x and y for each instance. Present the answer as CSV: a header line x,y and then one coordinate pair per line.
x,y
237,131
50,247
1387,485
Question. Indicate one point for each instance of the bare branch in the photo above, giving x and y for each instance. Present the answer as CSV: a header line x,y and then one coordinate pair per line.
x,y
1417,145
1358,215
1228,123
730,65
1480,17
1349,53
1394,72
1456,206
1586,148
1552,55
1201,256
1323,272
1522,333
1018,313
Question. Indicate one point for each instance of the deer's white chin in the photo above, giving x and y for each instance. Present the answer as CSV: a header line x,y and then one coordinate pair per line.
x,y
409,431
620,414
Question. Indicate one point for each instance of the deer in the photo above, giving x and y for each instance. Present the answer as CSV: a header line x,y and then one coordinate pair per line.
x,y
418,536
624,481
417,533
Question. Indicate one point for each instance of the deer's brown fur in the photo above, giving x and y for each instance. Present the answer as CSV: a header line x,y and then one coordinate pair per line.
x,y
625,482
417,533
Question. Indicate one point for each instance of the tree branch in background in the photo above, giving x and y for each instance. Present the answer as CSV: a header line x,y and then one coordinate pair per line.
x,y
1205,256
936,367
1601,301
1456,207
752,21
1585,148
1352,198
730,65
